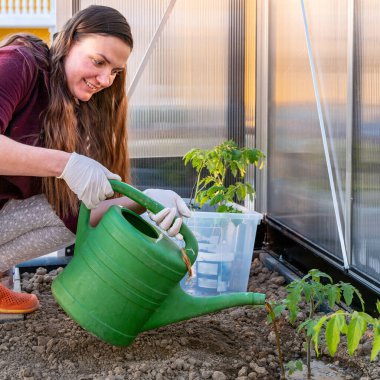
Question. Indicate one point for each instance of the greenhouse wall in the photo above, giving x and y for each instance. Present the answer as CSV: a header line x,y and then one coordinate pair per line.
x,y
309,80
319,115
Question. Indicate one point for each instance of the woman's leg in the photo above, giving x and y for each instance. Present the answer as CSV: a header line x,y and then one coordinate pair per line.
x,y
29,228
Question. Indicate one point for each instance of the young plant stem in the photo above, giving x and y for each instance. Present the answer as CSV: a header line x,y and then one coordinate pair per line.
x,y
308,360
308,343
197,186
280,357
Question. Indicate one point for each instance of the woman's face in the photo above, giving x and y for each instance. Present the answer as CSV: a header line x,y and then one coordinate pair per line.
x,y
93,63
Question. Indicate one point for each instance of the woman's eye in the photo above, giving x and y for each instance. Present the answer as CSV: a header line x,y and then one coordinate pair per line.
x,y
97,62
117,72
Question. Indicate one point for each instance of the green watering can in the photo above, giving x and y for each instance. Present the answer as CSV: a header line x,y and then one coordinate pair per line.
x,y
125,275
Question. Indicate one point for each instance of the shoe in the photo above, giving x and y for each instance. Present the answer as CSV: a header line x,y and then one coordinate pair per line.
x,y
17,303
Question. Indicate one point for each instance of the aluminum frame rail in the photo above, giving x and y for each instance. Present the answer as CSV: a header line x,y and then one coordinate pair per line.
x,y
324,140
149,51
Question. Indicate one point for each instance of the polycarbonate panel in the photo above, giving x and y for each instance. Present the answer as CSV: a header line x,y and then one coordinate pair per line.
x,y
180,101
299,194
186,80
250,88
366,136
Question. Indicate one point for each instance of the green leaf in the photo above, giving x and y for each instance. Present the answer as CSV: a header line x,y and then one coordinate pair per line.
x,y
308,325
290,367
378,306
278,310
234,170
341,319
370,320
293,299
222,208
316,275
299,365
376,342
331,295
348,292
308,291
333,334
218,198
317,330
356,329
343,327
358,294
241,192
320,292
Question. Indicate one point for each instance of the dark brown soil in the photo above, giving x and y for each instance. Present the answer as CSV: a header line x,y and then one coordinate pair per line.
x,y
233,344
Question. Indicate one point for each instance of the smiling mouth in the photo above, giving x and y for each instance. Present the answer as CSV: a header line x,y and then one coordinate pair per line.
x,y
89,85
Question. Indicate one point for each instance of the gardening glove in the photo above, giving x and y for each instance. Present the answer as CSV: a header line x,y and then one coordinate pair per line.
x,y
88,179
174,206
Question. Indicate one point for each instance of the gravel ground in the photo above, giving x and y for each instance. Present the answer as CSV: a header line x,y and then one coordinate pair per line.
x,y
233,344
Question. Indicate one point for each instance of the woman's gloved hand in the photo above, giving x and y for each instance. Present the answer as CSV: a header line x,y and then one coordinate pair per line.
x,y
174,206
88,179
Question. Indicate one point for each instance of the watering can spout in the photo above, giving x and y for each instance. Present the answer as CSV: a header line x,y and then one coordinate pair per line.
x,y
180,306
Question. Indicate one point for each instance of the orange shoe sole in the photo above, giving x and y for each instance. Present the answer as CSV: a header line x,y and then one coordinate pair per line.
x,y
17,303
20,311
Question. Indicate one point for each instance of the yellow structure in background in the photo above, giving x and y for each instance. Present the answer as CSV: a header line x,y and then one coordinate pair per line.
x,y
36,17
43,33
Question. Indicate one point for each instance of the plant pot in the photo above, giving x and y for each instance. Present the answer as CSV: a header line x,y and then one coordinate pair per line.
x,y
226,242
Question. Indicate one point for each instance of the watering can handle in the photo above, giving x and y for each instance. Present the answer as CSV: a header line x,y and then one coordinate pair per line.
x,y
136,195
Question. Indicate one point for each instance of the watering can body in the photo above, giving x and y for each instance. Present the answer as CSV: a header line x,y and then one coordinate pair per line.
x,y
125,274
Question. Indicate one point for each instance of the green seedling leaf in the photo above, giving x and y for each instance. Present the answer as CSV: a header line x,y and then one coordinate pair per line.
x,y
217,199
212,166
277,311
251,155
356,329
332,295
203,200
299,365
293,299
370,320
348,292
341,319
333,329
317,330
191,155
358,294
293,366
234,170
378,306
376,341
320,292
308,292
308,325
241,192
236,154
222,208
316,275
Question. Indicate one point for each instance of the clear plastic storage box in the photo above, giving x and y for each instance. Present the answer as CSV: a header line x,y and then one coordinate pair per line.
x,y
226,242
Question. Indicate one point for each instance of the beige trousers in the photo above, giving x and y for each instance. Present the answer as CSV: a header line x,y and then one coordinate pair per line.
x,y
30,228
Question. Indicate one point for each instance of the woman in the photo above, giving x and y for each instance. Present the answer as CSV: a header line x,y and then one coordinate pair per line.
x,y
62,124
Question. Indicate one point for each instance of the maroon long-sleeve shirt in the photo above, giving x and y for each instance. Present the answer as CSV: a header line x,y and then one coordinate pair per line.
x,y
23,100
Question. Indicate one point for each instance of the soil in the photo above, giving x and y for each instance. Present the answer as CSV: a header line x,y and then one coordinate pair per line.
x,y
237,343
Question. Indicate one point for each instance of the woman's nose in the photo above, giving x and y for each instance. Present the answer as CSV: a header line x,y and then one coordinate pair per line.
x,y
104,79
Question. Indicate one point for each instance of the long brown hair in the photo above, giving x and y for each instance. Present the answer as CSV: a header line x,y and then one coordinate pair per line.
x,y
96,128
